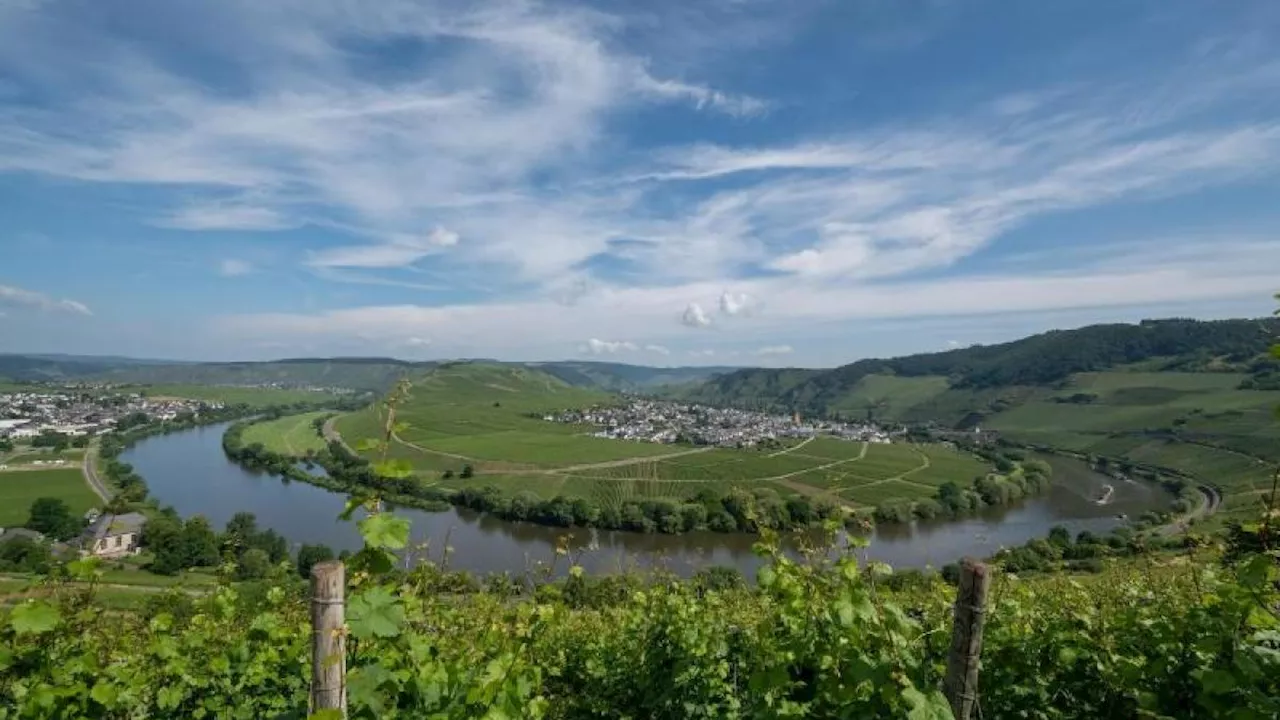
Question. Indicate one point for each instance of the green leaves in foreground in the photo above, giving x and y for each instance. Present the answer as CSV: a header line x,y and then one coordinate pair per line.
x,y
385,531
34,617
375,613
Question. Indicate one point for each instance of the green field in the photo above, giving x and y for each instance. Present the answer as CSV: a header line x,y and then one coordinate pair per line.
x,y
289,435
490,417
19,488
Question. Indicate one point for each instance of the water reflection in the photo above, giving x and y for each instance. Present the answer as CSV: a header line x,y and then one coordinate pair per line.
x,y
189,471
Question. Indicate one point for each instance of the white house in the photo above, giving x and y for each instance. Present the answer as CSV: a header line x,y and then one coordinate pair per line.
x,y
114,535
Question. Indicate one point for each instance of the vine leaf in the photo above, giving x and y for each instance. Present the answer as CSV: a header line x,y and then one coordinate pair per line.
x,y
394,469
385,530
933,706
375,613
33,618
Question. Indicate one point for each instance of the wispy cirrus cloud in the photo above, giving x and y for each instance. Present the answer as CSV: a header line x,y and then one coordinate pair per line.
x,y
20,298
489,167
234,267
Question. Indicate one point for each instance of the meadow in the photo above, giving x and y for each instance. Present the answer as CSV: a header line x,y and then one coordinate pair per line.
x,y
491,419
20,488
289,435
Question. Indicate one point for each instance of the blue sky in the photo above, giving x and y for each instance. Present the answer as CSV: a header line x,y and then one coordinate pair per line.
x,y
763,182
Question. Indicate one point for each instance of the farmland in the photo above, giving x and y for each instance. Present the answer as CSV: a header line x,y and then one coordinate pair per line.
x,y
489,418
289,435
19,488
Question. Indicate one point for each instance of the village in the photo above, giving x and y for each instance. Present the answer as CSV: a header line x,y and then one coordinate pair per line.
x,y
661,421
26,415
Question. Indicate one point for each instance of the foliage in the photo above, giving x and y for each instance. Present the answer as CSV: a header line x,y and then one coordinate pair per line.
x,y
52,517
311,555
24,555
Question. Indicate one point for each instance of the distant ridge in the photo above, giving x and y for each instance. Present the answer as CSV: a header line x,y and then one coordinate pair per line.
x,y
1040,360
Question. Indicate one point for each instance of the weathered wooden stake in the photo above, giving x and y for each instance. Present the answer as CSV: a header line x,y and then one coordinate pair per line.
x,y
961,684
328,639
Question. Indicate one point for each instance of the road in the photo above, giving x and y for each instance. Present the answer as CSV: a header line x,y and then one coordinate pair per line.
x,y
1209,503
91,474
804,442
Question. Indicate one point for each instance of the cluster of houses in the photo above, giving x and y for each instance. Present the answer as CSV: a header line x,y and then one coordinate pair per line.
x,y
661,421
31,414
106,535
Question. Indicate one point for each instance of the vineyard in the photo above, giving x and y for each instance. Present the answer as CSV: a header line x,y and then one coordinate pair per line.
x,y
817,639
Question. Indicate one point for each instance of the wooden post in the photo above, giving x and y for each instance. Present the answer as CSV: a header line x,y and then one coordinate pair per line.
x,y
961,684
328,638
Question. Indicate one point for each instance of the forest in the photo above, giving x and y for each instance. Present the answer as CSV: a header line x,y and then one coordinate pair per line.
x,y
1038,360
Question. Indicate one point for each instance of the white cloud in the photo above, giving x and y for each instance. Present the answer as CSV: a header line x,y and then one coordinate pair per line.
x,y
702,353
737,303
598,347
773,350
659,349
701,96
442,237
225,217
1177,270
505,165
232,267
416,342
18,297
695,317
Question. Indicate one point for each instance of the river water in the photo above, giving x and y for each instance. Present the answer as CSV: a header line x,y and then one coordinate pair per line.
x,y
189,471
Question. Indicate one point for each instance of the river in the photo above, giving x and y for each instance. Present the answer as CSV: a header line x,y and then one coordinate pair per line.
x,y
189,471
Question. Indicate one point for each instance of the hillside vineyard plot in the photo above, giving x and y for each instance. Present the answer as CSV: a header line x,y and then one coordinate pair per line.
x,y
491,419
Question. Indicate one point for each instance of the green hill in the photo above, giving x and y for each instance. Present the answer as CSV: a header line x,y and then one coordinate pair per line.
x,y
489,417
1182,395
1040,360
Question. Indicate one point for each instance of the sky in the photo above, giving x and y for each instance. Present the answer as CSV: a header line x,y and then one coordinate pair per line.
x,y
722,182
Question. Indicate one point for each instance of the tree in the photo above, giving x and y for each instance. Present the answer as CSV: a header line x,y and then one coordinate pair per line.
x,y
311,555
22,554
1059,536
53,517
6,445
198,544
254,565
467,472
242,527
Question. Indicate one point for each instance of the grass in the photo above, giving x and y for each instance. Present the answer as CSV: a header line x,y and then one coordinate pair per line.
x,y
20,488
490,417
889,395
876,493
143,578
289,435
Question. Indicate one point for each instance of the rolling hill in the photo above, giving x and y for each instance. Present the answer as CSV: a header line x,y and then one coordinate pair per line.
x,y
375,374
1183,395
891,388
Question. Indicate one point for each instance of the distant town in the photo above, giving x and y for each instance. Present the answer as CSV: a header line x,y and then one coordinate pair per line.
x,y
660,421
31,414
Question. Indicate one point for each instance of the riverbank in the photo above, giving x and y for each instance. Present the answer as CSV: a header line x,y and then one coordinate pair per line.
x,y
190,472
1199,499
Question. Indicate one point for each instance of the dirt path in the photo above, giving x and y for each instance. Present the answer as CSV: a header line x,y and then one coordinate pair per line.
x,y
802,443
1209,502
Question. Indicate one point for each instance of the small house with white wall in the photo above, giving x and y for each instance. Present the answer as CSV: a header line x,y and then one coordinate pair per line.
x,y
114,535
